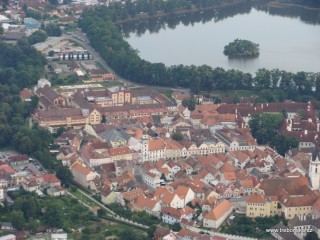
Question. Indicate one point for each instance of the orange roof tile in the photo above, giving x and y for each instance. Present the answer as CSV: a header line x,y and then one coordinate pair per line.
x,y
256,198
82,169
230,176
156,144
219,210
119,151
182,191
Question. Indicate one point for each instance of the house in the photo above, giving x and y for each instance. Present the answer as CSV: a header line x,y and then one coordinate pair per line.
x,y
7,226
108,196
259,205
298,227
115,137
289,196
161,232
82,174
151,179
48,180
236,139
172,215
240,158
48,98
25,95
185,234
8,237
59,236
66,117
185,193
151,206
172,200
120,153
208,204
18,160
56,191
218,215
152,149
129,197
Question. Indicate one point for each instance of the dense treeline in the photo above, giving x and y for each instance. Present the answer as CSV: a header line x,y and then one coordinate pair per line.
x,y
106,39
133,8
155,24
310,3
22,66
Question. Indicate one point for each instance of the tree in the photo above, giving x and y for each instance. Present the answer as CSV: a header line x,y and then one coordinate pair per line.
x,y
190,103
282,143
126,234
241,48
103,118
64,174
51,53
17,219
265,127
54,216
284,113
311,236
176,227
177,136
37,36
101,212
163,176
53,29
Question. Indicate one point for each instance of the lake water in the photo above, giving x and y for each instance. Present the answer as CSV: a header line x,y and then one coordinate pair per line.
x,y
290,42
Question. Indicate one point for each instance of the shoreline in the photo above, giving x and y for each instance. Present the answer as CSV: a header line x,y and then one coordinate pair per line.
x,y
277,4
160,14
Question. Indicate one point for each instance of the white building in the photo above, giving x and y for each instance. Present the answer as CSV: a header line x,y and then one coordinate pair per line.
x,y
151,179
218,215
314,171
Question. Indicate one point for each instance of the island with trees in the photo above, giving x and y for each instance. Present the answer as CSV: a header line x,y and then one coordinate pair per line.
x,y
241,48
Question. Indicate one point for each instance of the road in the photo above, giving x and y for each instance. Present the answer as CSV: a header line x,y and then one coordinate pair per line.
x,y
82,39
138,175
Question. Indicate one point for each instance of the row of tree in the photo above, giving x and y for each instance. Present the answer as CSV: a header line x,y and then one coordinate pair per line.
x,y
133,8
106,39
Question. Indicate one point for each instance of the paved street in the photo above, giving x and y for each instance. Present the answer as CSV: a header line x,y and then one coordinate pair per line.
x,y
138,174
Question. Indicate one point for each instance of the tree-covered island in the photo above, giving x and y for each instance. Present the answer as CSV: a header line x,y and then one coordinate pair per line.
x,y
241,48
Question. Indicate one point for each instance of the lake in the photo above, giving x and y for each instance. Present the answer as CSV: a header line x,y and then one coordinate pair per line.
x,y
289,39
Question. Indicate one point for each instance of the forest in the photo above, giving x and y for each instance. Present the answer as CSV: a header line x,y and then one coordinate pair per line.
x,y
106,38
22,66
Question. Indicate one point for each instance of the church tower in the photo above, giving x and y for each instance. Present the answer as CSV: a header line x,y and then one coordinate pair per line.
x,y
145,147
314,171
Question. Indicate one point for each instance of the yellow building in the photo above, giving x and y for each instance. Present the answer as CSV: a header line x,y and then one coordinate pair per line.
x,y
261,206
289,197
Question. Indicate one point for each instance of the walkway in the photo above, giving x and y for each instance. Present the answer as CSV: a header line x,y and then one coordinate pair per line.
x,y
111,213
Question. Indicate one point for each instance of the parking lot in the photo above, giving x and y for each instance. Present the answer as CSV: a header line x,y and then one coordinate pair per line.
x,y
33,166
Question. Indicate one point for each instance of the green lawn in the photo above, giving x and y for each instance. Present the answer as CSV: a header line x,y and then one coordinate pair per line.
x,y
103,229
84,198
111,83
75,214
